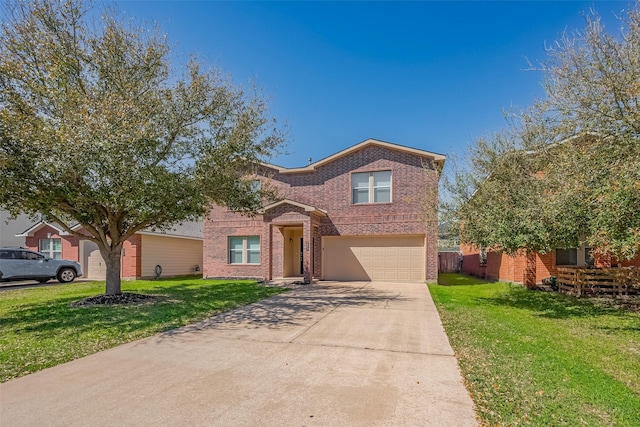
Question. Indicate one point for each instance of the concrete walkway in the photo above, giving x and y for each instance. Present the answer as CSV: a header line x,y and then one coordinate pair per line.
x,y
327,354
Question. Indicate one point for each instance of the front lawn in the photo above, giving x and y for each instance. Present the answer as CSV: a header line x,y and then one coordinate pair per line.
x,y
542,359
39,329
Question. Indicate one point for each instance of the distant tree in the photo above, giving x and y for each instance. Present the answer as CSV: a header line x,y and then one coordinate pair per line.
x,y
567,168
97,129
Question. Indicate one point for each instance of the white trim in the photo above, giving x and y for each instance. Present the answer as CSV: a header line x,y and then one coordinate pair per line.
x,y
30,232
438,158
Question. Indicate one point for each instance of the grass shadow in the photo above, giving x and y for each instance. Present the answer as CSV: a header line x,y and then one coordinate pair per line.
x,y
553,305
457,279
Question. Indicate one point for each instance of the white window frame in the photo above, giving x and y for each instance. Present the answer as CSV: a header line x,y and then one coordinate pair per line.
x,y
371,190
245,251
49,249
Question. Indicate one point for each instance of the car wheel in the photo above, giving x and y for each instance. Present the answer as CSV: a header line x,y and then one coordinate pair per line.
x,y
66,275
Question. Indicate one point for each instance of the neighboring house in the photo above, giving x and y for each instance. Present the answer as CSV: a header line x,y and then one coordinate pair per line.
x,y
355,215
177,251
530,268
10,228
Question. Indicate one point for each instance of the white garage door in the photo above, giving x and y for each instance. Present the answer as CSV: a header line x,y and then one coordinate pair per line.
x,y
397,258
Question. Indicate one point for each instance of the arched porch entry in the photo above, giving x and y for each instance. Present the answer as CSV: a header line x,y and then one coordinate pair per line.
x,y
293,240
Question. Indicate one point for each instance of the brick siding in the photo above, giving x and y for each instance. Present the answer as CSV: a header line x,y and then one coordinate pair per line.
x,y
516,269
132,260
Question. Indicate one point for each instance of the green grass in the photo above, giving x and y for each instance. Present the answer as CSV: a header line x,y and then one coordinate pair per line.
x,y
542,359
39,329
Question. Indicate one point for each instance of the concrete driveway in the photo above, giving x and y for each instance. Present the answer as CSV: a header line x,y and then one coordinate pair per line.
x,y
327,354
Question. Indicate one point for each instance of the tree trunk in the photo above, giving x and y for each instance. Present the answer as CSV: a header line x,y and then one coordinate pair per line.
x,y
113,263
530,270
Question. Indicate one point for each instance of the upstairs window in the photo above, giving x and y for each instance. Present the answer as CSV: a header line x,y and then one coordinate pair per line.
x,y
371,187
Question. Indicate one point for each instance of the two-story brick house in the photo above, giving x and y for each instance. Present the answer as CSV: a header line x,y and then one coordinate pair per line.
x,y
355,215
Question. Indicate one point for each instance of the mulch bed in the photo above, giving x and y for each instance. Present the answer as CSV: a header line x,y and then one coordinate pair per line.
x,y
122,299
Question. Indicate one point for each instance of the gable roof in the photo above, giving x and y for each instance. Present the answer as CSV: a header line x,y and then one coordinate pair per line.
x,y
187,230
40,225
307,208
437,158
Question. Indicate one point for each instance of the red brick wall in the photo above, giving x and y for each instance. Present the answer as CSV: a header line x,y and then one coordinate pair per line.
x,y
499,266
503,267
329,188
631,263
515,269
471,262
612,261
519,262
132,259
217,228
545,266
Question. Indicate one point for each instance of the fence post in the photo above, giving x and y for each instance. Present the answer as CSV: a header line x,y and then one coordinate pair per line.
x,y
578,282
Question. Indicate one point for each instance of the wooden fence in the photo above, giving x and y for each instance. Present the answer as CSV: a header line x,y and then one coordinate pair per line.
x,y
449,262
613,281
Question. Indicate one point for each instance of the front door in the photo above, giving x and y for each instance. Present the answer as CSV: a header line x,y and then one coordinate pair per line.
x,y
293,251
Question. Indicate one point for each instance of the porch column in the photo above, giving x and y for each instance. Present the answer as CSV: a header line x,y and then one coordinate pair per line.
x,y
266,257
306,251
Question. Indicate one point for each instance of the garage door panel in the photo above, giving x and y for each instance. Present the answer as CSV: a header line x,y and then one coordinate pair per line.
x,y
404,276
390,259
404,263
378,252
397,258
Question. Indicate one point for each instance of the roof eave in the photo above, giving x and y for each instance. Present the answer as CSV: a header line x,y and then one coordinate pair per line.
x,y
307,208
29,232
439,159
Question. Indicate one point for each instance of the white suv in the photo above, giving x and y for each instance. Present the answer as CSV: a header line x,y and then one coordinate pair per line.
x,y
23,264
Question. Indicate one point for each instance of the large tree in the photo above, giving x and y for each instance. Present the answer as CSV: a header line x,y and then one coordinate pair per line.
x,y
568,167
97,129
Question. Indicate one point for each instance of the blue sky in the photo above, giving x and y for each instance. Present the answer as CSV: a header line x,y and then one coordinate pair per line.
x,y
430,75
